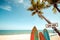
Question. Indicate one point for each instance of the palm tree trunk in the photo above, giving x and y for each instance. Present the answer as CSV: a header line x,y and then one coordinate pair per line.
x,y
45,19
55,29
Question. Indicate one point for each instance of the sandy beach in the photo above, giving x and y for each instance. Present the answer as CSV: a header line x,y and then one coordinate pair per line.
x,y
25,37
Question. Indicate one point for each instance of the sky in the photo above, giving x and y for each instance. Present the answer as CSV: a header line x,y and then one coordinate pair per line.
x,y
15,16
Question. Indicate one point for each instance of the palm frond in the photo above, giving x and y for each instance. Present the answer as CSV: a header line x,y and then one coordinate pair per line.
x,y
31,9
50,1
33,13
47,6
38,1
38,5
41,6
54,10
33,3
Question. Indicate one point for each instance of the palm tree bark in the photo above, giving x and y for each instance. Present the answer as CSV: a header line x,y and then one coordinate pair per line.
x,y
55,29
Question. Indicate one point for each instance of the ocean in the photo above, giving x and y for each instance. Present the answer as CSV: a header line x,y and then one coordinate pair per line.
x,y
12,32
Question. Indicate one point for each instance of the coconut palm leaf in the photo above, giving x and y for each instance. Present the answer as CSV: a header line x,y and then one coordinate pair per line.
x,y
31,8
41,6
54,10
34,6
47,6
38,3
33,13
33,3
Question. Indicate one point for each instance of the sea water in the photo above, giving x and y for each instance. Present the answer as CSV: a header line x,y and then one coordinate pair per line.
x,y
12,32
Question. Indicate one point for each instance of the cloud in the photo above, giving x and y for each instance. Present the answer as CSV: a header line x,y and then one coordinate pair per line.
x,y
20,1
6,7
8,3
16,1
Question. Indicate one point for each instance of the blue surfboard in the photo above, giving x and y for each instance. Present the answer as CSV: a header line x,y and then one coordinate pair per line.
x,y
46,34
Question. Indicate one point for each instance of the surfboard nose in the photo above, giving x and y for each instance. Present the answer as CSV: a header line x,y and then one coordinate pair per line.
x,y
34,29
34,34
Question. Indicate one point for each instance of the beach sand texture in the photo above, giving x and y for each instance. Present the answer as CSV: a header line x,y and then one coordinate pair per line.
x,y
24,37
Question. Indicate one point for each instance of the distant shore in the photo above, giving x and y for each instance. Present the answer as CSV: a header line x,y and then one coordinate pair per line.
x,y
25,37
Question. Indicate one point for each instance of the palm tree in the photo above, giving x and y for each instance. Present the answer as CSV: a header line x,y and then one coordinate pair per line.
x,y
36,8
54,3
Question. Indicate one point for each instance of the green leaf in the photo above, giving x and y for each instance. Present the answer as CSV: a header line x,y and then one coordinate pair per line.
x,y
33,3
31,9
54,10
38,1
50,1
33,13
41,6
48,5
34,6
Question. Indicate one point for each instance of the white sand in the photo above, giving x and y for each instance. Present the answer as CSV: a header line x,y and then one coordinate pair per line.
x,y
15,37
54,36
24,37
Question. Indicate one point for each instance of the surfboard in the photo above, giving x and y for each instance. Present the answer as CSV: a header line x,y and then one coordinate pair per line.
x,y
41,36
34,34
46,34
